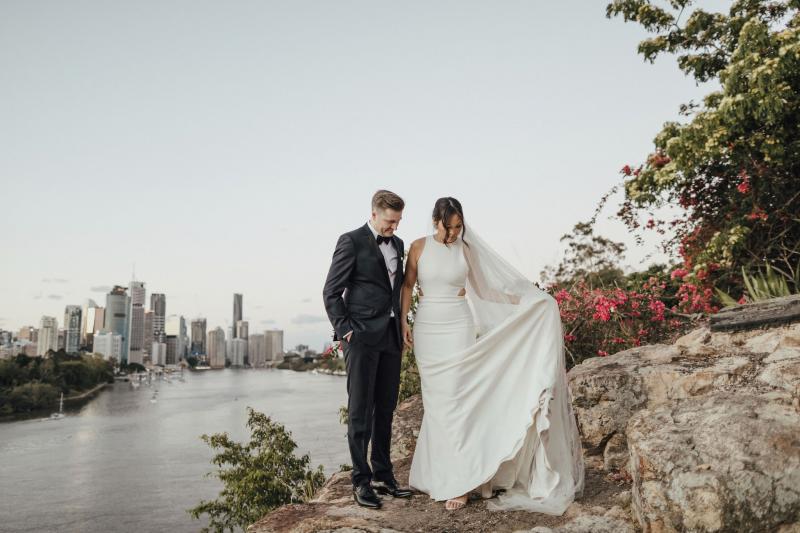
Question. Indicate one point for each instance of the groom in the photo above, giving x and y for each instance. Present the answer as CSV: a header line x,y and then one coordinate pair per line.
x,y
362,299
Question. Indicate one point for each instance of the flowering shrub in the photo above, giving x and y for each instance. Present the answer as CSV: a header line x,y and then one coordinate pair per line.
x,y
732,166
602,321
333,351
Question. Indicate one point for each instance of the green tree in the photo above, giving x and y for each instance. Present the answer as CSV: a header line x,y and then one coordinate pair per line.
x,y
258,476
733,164
589,258
32,396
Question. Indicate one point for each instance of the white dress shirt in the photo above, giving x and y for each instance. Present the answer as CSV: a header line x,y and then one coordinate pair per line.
x,y
389,255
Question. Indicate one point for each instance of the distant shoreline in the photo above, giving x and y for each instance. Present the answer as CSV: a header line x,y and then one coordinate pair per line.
x,y
83,395
39,413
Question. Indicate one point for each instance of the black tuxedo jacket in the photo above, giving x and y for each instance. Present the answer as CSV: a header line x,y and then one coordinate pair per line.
x,y
358,294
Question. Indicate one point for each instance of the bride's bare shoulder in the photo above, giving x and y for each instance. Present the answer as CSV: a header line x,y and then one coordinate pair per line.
x,y
417,246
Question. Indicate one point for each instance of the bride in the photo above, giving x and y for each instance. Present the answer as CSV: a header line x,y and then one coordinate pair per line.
x,y
497,412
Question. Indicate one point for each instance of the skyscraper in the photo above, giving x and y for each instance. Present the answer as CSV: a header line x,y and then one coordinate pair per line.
x,y
257,350
72,328
216,348
239,350
242,329
274,342
148,332
116,319
136,322
99,319
158,305
107,344
198,336
175,333
87,321
48,335
237,311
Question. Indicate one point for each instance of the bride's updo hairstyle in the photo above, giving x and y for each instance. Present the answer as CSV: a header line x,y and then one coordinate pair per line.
x,y
443,210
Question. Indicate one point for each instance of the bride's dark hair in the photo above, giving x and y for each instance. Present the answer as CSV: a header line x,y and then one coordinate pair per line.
x,y
443,210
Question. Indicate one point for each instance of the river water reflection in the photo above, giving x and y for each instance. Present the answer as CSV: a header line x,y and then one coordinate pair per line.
x,y
125,463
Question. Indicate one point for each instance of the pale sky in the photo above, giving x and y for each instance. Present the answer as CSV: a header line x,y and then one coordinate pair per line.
x,y
223,146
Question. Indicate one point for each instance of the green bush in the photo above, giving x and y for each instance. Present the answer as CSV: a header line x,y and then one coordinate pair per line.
x,y
258,476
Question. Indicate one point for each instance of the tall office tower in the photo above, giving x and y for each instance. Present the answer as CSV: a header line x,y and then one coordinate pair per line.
x,y
72,328
48,335
107,344
198,336
237,311
257,350
242,328
92,322
241,333
175,328
116,321
148,332
136,322
274,339
87,320
99,319
26,333
239,350
173,349
62,344
158,305
158,353
216,348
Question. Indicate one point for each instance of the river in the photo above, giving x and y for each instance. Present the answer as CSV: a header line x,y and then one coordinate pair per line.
x,y
124,463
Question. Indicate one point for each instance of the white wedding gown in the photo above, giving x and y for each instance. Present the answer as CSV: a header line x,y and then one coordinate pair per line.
x,y
497,408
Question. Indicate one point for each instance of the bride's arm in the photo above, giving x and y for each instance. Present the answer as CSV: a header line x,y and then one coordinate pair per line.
x,y
406,291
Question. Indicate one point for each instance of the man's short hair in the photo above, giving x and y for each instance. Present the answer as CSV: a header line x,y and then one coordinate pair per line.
x,y
387,200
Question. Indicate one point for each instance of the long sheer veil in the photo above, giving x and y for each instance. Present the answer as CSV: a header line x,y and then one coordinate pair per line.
x,y
505,303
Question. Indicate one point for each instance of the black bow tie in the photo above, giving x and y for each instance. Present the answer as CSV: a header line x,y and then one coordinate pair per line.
x,y
381,239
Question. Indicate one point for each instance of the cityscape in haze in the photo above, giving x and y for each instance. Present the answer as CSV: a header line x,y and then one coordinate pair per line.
x,y
128,328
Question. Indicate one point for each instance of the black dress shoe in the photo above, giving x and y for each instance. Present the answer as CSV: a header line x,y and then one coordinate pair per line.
x,y
390,487
366,497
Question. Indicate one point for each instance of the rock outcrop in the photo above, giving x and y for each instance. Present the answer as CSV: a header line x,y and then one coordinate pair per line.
x,y
700,435
708,427
605,503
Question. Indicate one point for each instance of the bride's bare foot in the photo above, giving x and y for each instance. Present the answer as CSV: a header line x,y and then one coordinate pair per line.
x,y
456,503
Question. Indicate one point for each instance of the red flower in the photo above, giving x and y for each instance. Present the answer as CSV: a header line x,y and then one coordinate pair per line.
x,y
626,170
679,273
602,353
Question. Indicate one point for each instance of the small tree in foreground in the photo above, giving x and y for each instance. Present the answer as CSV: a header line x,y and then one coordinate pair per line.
x,y
258,476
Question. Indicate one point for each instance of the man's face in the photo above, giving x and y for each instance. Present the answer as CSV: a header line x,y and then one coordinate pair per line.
x,y
385,221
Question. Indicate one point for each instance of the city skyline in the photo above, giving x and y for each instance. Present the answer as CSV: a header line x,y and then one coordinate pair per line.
x,y
225,162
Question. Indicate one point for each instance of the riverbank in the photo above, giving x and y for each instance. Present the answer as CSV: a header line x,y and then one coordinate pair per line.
x,y
85,395
77,400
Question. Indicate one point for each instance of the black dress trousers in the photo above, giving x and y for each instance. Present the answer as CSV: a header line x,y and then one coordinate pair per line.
x,y
373,384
